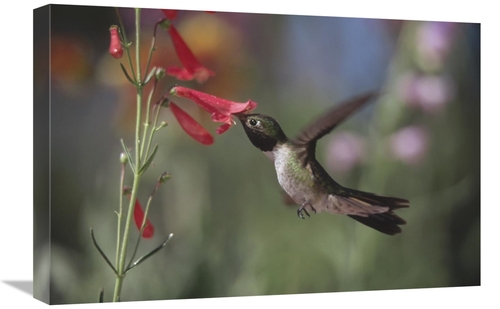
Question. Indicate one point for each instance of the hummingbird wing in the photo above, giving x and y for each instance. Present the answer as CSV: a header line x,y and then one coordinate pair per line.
x,y
323,125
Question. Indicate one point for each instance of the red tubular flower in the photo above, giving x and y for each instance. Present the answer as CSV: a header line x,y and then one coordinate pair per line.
x,y
220,109
149,229
191,126
115,46
192,67
170,14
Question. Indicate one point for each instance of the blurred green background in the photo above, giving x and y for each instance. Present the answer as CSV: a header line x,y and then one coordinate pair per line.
x,y
233,236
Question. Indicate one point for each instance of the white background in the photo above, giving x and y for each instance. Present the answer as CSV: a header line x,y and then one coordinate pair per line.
x,y
16,224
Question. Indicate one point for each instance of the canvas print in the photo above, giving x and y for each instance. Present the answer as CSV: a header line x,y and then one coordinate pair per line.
x,y
197,154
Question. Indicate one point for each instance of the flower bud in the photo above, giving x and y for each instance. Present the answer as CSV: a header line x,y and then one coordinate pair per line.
x,y
127,190
115,46
162,125
123,158
164,177
160,73
165,24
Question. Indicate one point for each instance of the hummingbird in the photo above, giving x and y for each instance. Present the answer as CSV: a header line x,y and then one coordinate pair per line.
x,y
305,181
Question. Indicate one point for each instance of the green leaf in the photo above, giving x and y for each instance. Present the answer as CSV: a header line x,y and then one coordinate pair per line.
x,y
150,75
144,257
126,74
101,252
149,161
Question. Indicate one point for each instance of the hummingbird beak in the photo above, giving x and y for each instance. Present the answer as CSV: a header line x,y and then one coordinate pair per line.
x,y
240,116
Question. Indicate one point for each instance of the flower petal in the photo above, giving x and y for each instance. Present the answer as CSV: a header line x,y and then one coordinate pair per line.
x,y
191,126
201,74
186,56
180,73
139,217
221,109
223,128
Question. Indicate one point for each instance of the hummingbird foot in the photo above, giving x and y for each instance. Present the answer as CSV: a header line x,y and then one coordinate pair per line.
x,y
303,209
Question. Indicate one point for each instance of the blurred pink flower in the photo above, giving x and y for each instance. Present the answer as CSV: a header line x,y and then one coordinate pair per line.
x,y
434,41
409,144
434,92
345,151
430,93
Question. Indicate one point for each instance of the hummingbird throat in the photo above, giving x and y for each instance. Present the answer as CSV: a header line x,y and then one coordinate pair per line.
x,y
260,140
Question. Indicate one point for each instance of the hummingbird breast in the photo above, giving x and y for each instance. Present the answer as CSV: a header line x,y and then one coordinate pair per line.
x,y
297,180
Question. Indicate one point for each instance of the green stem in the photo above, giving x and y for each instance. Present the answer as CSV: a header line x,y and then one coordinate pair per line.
x,y
139,87
153,47
137,177
154,128
126,44
138,43
123,252
147,122
120,213
138,130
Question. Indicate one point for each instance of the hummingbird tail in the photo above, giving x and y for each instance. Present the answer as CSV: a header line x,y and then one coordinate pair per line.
x,y
387,222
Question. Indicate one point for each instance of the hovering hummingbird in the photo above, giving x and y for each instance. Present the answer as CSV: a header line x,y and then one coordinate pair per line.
x,y
305,181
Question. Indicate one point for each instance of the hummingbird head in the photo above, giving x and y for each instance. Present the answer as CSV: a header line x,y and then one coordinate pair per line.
x,y
263,131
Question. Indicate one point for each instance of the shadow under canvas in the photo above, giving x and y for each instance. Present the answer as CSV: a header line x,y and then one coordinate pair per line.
x,y
22,285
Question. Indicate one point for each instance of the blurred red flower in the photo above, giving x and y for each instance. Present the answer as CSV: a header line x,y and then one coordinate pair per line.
x,y
139,217
170,14
192,69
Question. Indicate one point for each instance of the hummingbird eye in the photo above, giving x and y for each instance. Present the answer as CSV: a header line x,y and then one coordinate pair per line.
x,y
253,122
